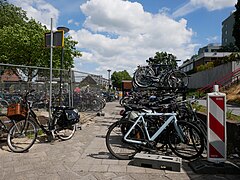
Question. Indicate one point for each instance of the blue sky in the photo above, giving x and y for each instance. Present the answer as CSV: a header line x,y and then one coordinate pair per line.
x,y
119,35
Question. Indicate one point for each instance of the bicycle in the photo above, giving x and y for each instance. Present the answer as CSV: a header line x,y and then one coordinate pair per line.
x,y
188,113
148,130
21,134
62,124
3,106
159,75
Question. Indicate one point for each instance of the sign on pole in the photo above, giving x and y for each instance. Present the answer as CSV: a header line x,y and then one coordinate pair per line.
x,y
216,116
58,39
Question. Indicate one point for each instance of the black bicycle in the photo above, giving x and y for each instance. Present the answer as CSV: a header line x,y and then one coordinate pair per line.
x,y
21,133
62,124
159,76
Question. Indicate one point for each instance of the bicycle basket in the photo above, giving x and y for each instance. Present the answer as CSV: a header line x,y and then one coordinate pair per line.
x,y
69,116
16,111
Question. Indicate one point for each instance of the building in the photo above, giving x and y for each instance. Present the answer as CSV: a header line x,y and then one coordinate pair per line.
x,y
210,52
227,28
205,54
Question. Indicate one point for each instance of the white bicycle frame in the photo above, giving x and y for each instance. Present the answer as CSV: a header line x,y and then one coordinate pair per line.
x,y
172,119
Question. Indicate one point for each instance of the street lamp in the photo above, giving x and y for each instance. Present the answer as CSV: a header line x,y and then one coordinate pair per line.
x,y
65,30
109,70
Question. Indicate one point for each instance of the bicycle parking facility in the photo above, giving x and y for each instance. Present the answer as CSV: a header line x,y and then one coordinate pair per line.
x,y
158,118
25,91
158,126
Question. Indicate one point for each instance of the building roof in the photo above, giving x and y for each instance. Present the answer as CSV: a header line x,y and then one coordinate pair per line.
x,y
10,75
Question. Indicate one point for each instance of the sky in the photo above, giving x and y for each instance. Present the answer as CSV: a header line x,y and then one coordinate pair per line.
x,y
121,34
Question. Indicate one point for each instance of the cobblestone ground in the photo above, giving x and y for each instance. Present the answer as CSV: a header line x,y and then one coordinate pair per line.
x,y
85,157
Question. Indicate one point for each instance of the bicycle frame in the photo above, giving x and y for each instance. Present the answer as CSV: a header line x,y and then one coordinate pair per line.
x,y
36,120
172,119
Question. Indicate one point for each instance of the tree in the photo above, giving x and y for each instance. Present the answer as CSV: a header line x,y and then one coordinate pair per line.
x,y
163,58
236,25
11,14
229,48
22,43
117,78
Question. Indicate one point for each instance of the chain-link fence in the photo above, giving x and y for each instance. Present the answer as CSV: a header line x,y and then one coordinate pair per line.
x,y
17,79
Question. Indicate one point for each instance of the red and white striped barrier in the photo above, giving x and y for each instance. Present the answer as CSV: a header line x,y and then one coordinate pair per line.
x,y
216,116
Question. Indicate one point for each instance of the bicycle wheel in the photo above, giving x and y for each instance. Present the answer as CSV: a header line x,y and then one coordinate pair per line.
x,y
203,129
193,144
96,105
3,106
177,79
65,133
143,76
22,135
115,143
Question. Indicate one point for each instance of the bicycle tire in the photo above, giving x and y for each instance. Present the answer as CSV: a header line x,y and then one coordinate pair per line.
x,y
3,106
96,105
177,79
115,143
66,133
203,129
140,77
21,137
193,145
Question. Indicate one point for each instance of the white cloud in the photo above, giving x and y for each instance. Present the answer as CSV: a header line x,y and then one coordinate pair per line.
x,y
40,10
213,39
210,5
70,21
76,23
121,35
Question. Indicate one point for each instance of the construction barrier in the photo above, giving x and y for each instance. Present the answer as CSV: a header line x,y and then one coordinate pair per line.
x,y
216,116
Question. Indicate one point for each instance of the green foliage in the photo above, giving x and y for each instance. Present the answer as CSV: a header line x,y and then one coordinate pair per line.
x,y
195,93
210,65
206,66
117,78
22,42
198,107
163,58
236,25
11,14
229,48
229,114
235,56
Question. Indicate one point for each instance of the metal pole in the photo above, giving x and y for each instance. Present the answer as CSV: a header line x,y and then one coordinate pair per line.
x,y
60,93
50,82
65,30
71,89
109,70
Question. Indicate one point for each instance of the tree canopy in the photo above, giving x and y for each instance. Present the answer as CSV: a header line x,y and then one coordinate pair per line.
x,y
11,14
117,78
229,48
236,25
163,58
22,42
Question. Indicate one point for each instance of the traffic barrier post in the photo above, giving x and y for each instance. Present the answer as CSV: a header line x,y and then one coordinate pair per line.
x,y
216,121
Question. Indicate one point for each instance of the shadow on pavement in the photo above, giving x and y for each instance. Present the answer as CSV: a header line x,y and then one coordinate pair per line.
x,y
102,155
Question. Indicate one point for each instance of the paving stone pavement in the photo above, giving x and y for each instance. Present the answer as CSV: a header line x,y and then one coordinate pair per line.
x,y
84,157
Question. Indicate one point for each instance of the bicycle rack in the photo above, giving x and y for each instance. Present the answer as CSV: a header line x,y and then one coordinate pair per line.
x,y
157,162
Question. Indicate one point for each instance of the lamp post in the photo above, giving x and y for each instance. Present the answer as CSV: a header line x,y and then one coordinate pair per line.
x,y
65,29
109,70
